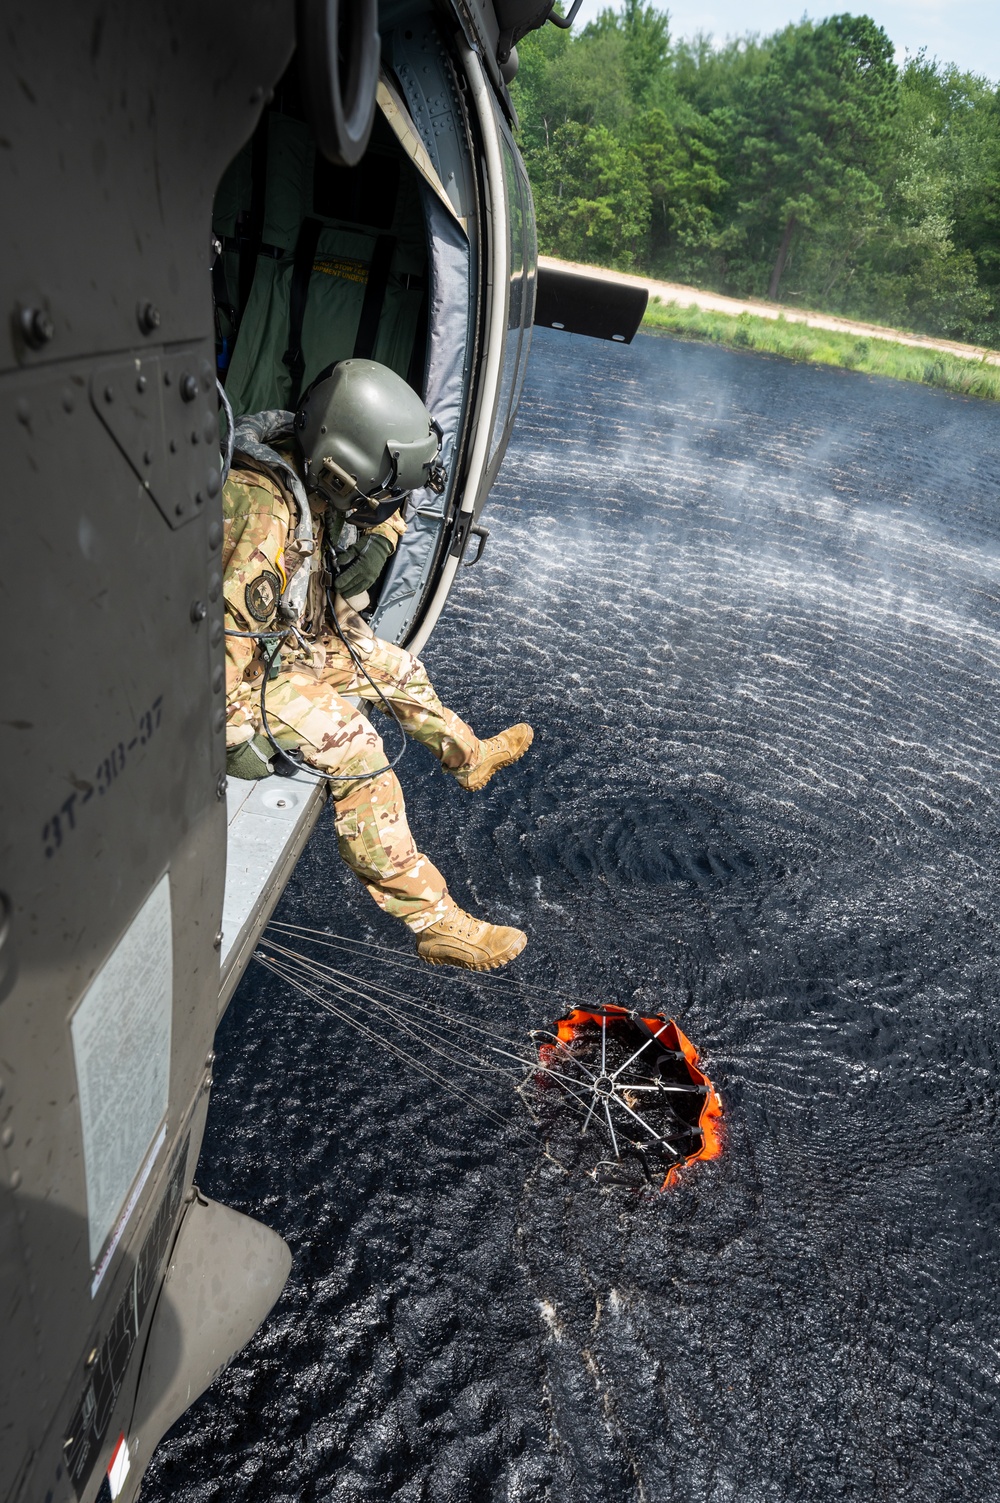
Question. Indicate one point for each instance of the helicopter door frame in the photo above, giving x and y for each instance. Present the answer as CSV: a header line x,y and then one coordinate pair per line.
x,y
521,285
496,268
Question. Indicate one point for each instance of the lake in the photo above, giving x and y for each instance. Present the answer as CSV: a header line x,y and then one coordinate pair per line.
x,y
752,610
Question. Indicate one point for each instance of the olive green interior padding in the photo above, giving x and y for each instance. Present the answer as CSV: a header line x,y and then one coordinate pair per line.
x,y
257,377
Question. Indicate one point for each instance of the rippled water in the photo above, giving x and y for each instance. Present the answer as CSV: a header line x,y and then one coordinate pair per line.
x,y
752,611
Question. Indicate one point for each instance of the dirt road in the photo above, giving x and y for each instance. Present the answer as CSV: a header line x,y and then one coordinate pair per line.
x,y
674,292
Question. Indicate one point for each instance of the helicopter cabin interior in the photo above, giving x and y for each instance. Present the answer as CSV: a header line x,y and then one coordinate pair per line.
x,y
396,260
422,257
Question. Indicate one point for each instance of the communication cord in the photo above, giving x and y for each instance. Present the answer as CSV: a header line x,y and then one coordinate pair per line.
x,y
314,772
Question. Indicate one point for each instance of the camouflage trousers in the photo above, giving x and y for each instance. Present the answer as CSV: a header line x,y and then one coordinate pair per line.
x,y
306,706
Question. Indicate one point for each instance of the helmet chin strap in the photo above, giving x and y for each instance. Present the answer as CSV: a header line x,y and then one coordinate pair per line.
x,y
437,475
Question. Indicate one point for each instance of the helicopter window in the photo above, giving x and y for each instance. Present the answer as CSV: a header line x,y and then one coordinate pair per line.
x,y
520,298
530,282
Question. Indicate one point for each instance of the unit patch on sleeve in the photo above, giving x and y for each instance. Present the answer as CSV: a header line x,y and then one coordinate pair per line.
x,y
261,595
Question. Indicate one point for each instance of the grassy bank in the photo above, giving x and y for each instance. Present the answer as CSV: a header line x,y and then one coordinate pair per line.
x,y
855,352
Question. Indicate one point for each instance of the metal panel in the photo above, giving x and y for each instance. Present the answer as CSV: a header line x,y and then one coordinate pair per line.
x,y
269,824
597,306
118,122
226,1271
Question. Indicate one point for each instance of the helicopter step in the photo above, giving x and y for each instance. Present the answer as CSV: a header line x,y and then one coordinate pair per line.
x,y
269,823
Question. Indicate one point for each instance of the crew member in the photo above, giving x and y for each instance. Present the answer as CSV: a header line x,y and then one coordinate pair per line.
x,y
311,511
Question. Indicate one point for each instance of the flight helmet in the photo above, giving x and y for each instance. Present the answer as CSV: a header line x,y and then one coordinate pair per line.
x,y
366,439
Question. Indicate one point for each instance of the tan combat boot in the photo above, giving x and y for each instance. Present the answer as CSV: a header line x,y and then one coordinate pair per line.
x,y
499,751
459,939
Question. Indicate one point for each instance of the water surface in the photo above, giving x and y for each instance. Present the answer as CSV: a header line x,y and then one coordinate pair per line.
x,y
752,611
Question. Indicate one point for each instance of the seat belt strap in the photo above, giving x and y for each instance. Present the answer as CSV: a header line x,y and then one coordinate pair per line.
x,y
305,255
418,355
224,338
371,308
251,233
220,289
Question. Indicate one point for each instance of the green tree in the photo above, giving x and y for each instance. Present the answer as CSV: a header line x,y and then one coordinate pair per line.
x,y
815,130
680,160
643,34
802,164
563,77
970,133
717,78
537,91
591,197
913,269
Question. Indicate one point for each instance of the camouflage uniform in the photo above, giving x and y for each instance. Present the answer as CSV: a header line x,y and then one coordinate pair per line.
x,y
306,705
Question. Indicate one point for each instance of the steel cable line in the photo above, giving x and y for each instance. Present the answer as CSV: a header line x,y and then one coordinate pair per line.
x,y
343,941
422,1034
419,1030
451,1017
344,979
386,1044
292,965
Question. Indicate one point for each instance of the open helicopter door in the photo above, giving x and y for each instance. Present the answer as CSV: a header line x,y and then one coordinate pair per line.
x,y
426,250
427,89
508,256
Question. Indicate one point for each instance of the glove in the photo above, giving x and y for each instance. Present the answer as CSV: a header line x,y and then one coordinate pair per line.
x,y
362,566
250,760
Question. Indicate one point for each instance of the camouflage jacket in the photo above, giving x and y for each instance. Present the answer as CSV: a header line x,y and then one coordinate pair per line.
x,y
257,516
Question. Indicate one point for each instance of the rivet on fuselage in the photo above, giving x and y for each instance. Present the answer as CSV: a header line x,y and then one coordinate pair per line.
x,y
36,327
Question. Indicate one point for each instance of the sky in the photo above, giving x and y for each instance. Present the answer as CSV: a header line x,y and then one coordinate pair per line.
x,y
965,32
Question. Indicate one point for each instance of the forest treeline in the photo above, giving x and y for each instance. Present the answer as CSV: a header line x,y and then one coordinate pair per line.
x,y
805,166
